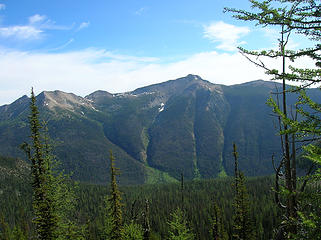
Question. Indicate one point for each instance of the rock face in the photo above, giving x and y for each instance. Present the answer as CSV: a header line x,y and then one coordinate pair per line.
x,y
184,126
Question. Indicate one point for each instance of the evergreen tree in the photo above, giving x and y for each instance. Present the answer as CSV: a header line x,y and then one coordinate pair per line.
x,y
146,224
242,225
217,226
46,217
309,221
7,233
133,231
53,198
291,16
178,227
182,192
107,219
115,203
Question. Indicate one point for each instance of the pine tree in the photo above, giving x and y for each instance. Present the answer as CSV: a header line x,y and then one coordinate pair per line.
x,y
53,198
310,211
178,227
242,225
182,192
133,231
300,17
217,226
146,224
46,217
107,219
115,203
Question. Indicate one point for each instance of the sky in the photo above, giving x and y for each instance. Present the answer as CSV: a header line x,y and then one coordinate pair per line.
x,y
117,46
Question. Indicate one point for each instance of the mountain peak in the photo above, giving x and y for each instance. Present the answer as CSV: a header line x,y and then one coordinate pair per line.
x,y
98,96
193,77
60,99
261,83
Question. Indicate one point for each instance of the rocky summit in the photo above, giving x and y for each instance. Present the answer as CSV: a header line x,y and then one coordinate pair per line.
x,y
157,132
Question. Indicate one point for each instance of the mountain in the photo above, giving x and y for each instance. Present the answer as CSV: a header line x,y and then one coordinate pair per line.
x,y
156,132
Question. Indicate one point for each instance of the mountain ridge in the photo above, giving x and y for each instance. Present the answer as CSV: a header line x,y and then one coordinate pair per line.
x,y
179,126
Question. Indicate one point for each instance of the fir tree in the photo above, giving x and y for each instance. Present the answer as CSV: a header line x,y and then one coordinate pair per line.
x,y
107,219
217,230
146,224
291,16
53,199
178,227
46,217
242,225
133,231
115,203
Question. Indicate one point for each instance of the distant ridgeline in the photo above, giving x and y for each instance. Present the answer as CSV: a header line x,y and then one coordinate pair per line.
x,y
156,132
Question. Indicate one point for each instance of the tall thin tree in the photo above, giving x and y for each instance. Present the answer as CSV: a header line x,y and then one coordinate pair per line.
x,y
115,203
242,224
46,217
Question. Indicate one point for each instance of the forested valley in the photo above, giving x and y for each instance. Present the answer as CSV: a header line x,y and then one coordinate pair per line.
x,y
198,199
40,201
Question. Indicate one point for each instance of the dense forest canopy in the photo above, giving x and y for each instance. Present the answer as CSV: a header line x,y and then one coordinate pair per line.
x,y
49,205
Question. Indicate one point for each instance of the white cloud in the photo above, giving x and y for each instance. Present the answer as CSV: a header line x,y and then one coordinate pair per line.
x,y
37,19
2,6
83,72
37,24
226,35
21,32
83,25
70,41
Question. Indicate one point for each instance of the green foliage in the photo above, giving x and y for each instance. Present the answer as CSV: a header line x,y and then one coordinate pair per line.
x,y
309,220
178,229
15,233
46,215
53,198
133,231
217,230
193,133
155,176
242,224
115,203
164,199
107,219
303,17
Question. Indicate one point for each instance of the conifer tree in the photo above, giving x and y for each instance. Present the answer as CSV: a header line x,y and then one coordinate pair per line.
x,y
242,225
53,199
46,217
182,192
107,219
146,224
300,17
178,227
115,203
133,231
217,230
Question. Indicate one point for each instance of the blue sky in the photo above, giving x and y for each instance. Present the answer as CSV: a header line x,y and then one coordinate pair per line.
x,y
82,46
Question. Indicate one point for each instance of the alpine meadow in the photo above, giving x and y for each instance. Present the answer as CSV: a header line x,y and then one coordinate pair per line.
x,y
181,142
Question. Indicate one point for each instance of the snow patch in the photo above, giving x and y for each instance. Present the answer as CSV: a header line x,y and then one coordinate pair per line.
x,y
161,108
94,108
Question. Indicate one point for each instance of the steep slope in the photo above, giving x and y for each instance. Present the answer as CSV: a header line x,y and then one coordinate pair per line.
x,y
180,136
78,140
251,126
187,125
